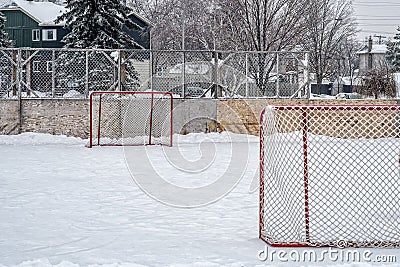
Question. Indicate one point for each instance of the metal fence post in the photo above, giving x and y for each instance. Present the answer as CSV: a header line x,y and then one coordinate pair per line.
x,y
87,72
247,73
183,74
306,76
119,70
53,73
277,75
151,69
215,78
19,72
18,81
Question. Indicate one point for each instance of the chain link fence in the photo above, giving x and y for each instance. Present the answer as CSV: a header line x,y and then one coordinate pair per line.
x,y
73,73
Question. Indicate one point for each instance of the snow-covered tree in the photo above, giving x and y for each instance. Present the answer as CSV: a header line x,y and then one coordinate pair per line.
x,y
97,24
4,41
393,52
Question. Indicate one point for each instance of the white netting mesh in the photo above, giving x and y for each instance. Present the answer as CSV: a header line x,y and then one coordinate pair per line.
x,y
330,176
131,118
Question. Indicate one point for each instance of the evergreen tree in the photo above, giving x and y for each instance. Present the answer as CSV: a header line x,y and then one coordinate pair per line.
x,y
97,24
393,52
4,41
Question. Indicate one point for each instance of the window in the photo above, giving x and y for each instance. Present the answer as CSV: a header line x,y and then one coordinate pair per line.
x,y
36,66
49,66
35,35
49,35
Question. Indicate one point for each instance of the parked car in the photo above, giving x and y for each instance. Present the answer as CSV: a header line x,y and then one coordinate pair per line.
x,y
348,96
190,91
194,92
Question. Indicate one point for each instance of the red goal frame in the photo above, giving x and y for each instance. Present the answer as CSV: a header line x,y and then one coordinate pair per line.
x,y
304,109
151,108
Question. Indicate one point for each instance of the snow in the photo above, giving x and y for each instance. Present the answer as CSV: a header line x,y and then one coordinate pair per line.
x,y
73,94
34,94
322,96
65,205
376,49
44,12
379,49
397,78
199,68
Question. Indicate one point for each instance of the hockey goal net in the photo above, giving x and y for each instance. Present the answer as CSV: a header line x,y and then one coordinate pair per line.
x,y
130,118
330,176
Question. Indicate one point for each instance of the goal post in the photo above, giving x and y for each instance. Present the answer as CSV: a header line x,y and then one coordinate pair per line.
x,y
330,175
130,118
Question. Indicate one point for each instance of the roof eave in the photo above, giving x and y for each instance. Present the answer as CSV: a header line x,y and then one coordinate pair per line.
x,y
23,11
140,17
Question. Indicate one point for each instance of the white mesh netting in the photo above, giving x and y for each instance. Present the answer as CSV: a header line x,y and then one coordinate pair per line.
x,y
130,118
330,176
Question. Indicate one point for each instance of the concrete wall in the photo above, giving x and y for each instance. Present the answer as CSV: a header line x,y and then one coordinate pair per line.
x,y
195,115
71,116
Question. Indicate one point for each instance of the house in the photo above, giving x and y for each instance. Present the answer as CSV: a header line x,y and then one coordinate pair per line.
x,y
372,56
31,24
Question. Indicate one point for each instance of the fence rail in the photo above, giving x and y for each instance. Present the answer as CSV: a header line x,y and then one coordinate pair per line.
x,y
73,73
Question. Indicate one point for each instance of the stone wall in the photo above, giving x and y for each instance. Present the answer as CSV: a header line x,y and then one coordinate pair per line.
x,y
54,116
71,116
243,116
9,116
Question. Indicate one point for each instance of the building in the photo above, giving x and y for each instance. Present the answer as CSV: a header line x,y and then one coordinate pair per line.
x,y
372,56
32,24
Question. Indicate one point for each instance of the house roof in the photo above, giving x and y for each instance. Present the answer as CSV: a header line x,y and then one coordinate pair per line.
x,y
45,13
376,49
133,13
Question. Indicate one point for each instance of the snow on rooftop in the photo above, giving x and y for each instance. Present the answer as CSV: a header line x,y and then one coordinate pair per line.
x,y
44,12
376,49
379,48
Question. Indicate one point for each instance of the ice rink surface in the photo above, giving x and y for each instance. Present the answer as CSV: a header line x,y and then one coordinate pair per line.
x,y
63,204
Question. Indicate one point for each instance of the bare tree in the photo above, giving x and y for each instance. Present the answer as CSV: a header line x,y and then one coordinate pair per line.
x,y
330,23
262,26
181,24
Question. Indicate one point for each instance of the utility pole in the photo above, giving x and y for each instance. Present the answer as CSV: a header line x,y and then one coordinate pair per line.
x,y
380,37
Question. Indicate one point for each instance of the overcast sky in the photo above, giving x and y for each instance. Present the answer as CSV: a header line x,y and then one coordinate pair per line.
x,y
377,17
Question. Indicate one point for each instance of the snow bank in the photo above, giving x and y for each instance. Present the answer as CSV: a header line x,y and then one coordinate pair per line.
x,y
44,262
192,138
73,94
224,137
39,139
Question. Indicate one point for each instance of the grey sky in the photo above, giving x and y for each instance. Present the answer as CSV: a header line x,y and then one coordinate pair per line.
x,y
377,17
